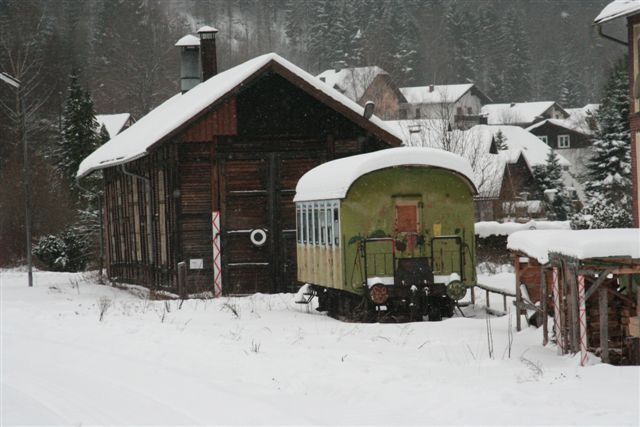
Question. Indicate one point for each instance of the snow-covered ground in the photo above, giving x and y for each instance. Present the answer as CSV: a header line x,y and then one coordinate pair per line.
x,y
264,360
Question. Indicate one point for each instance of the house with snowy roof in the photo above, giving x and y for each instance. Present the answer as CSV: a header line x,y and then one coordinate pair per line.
x,y
571,136
522,114
459,104
199,192
573,132
629,10
366,84
114,123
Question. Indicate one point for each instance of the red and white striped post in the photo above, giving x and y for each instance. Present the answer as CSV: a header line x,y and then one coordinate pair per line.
x,y
557,321
217,261
583,321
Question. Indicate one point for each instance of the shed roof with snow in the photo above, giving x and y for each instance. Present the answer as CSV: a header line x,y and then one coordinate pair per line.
x,y
333,179
579,244
179,110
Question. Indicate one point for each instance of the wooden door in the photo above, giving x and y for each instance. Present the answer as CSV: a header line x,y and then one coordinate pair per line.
x,y
257,192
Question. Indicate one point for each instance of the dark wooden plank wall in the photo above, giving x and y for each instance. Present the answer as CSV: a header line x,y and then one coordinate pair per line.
x,y
132,255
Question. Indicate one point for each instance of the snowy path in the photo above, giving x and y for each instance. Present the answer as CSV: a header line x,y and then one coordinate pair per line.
x,y
275,363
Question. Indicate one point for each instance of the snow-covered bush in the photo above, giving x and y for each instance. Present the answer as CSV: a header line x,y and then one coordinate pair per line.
x,y
66,251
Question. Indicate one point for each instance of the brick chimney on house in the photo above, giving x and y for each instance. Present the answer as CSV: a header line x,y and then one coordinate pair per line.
x,y
431,87
208,56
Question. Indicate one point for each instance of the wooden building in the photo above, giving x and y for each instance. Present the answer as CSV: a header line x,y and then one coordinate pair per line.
x,y
208,177
589,282
631,11
367,84
560,135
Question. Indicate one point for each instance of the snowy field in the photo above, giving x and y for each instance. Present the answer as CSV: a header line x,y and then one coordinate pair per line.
x,y
264,360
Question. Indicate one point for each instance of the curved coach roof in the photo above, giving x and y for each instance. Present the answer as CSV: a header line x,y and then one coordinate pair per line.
x,y
333,179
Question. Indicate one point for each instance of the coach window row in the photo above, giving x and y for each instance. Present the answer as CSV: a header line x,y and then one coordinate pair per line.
x,y
318,223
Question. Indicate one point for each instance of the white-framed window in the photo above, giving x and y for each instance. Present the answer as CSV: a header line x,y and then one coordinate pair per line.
x,y
318,223
544,139
564,141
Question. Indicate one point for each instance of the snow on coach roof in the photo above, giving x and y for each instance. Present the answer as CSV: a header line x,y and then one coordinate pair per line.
x,y
333,179
167,118
580,244
617,9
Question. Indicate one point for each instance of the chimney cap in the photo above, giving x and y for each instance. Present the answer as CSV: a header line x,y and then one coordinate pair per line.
x,y
207,29
188,40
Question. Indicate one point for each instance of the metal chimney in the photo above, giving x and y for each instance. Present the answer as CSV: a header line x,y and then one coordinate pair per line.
x,y
208,56
189,62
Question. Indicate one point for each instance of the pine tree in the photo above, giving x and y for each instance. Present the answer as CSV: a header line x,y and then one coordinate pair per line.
x,y
551,186
517,79
79,136
500,140
608,187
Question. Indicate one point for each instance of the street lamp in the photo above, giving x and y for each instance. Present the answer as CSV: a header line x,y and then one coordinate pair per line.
x,y
12,81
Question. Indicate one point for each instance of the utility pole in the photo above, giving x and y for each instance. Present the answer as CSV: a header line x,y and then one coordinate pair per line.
x,y
12,81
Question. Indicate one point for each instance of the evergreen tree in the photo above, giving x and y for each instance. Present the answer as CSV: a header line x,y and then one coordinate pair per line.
x,y
551,188
79,130
517,79
500,140
608,187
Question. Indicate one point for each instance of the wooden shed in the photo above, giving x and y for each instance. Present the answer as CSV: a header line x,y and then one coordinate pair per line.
x,y
589,282
208,177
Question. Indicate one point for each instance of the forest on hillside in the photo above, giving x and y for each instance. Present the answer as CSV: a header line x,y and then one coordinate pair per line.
x,y
123,53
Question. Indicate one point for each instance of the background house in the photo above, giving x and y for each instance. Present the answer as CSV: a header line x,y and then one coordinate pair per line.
x,y
570,136
458,104
364,84
522,114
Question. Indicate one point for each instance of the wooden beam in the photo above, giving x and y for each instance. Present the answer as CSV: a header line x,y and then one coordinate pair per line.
x,y
545,308
597,284
518,292
574,331
603,309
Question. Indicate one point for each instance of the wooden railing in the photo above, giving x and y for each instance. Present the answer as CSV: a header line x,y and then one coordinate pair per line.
x,y
488,291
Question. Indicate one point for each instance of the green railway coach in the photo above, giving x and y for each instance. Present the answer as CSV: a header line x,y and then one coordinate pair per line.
x,y
388,233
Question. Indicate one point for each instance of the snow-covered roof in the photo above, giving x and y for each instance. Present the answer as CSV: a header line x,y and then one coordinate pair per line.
x,y
577,121
518,112
188,40
169,116
518,141
352,82
574,125
435,94
113,123
333,179
617,9
494,228
580,244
